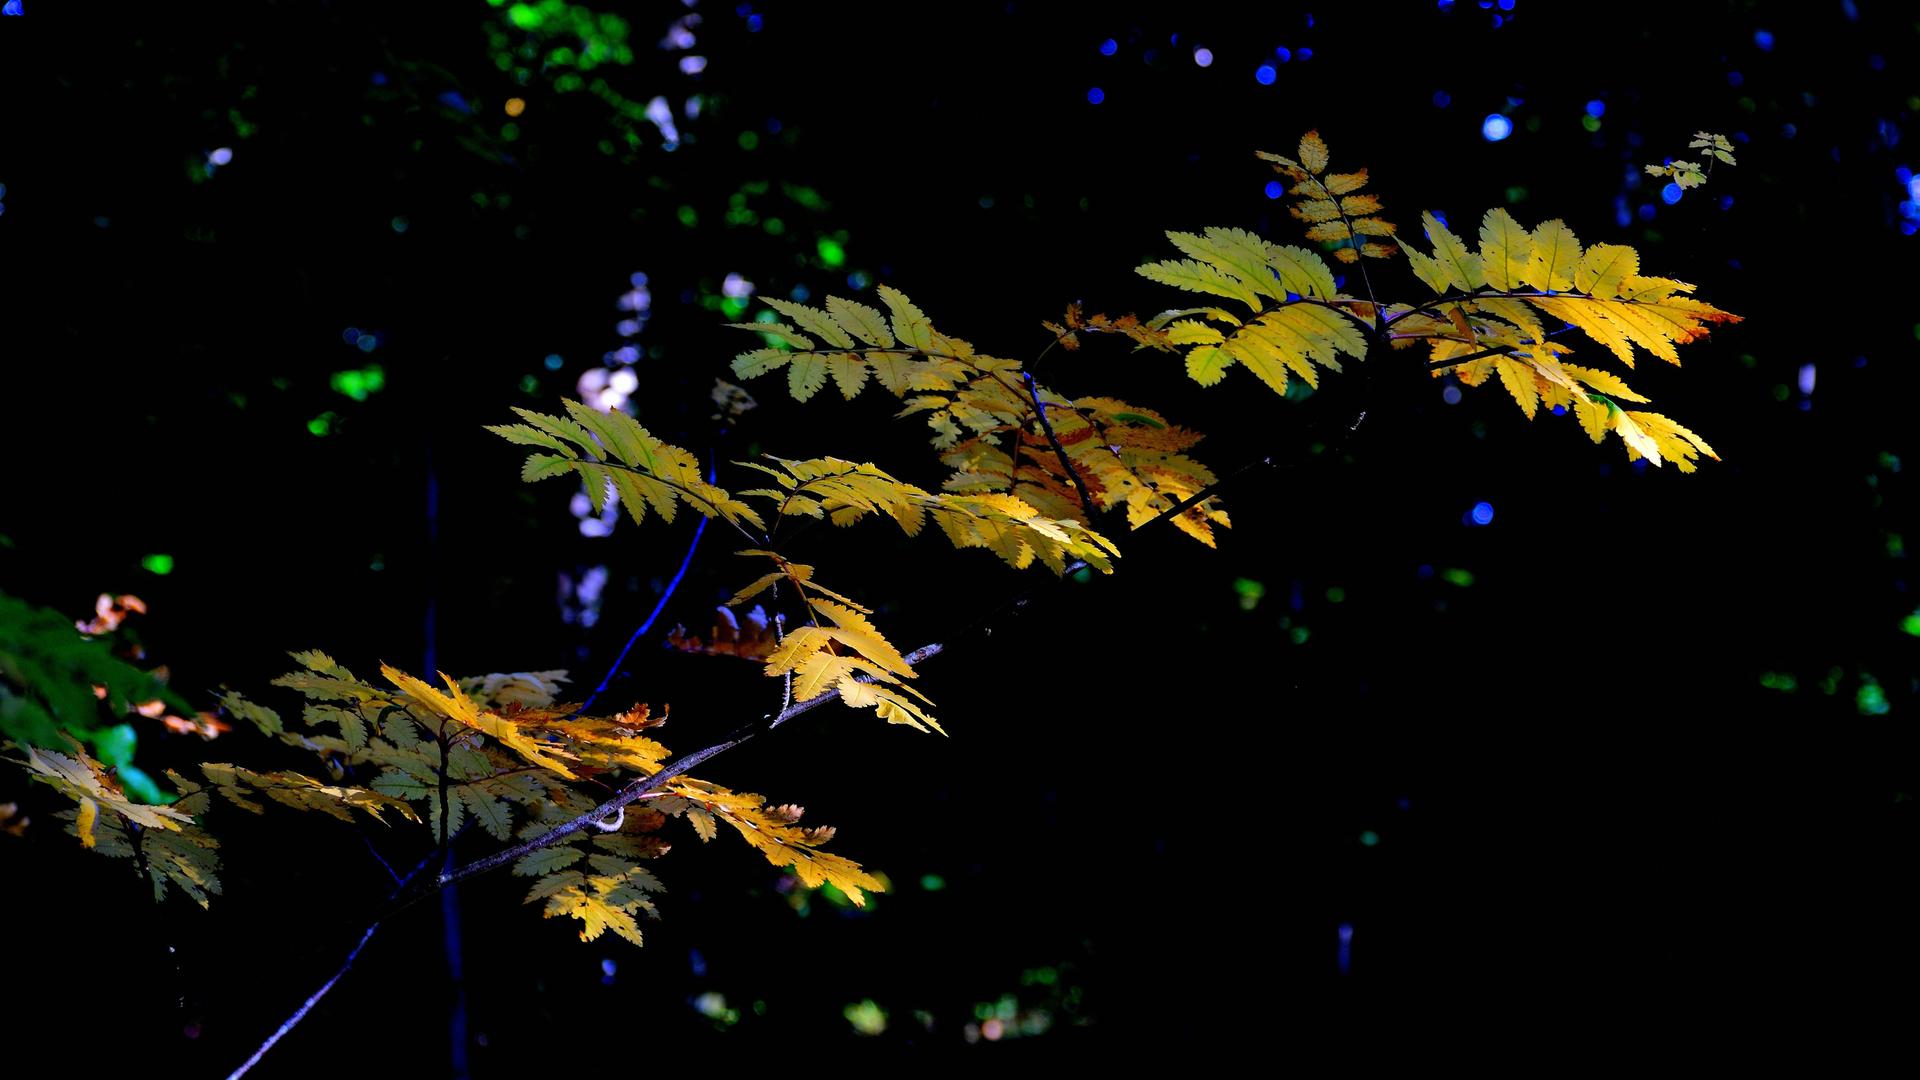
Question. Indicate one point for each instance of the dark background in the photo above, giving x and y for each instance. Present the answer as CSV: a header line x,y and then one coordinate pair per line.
x,y
1565,810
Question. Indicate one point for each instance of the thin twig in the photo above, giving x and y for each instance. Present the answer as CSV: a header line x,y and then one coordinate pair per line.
x,y
641,787
314,999
679,576
1040,410
381,859
1456,361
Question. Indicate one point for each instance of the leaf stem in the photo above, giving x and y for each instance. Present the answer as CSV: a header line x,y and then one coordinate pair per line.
x,y
1040,410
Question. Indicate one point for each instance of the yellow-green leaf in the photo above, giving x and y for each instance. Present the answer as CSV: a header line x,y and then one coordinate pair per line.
x,y
1556,251
1505,249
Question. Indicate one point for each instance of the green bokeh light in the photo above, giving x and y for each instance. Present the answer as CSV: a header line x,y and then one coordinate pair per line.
x,y
831,252
1871,699
1369,838
1250,592
357,384
866,1017
158,563
932,882
1456,576
810,199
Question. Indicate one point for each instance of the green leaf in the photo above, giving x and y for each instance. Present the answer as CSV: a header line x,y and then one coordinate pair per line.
x,y
546,860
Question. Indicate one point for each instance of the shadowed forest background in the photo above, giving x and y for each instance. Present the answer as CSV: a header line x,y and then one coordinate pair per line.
x,y
1631,761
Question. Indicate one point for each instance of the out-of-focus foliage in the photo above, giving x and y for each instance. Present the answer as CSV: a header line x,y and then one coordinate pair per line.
x,y
61,681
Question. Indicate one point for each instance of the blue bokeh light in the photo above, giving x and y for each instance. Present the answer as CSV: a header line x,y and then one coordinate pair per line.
x,y
1482,513
1596,108
1275,189
1671,194
1095,95
1763,40
1203,57
1109,47
1495,127
1265,74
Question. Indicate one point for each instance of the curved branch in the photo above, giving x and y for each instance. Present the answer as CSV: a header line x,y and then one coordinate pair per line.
x,y
678,576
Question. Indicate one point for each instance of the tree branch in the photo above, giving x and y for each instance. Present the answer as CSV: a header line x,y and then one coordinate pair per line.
x,y
1040,411
1456,361
314,998
619,661
647,786
679,767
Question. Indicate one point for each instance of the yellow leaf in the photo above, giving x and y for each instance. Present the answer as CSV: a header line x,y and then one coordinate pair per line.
x,y
848,372
1637,440
812,320
1604,268
861,321
703,824
1426,268
1605,382
83,825
1313,152
1464,270
806,374
1592,416
910,325
1505,250
1193,332
1517,377
779,330
1200,277
1556,251
1341,183
1208,364
854,629
456,706
798,647
83,779
1301,271
1589,316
